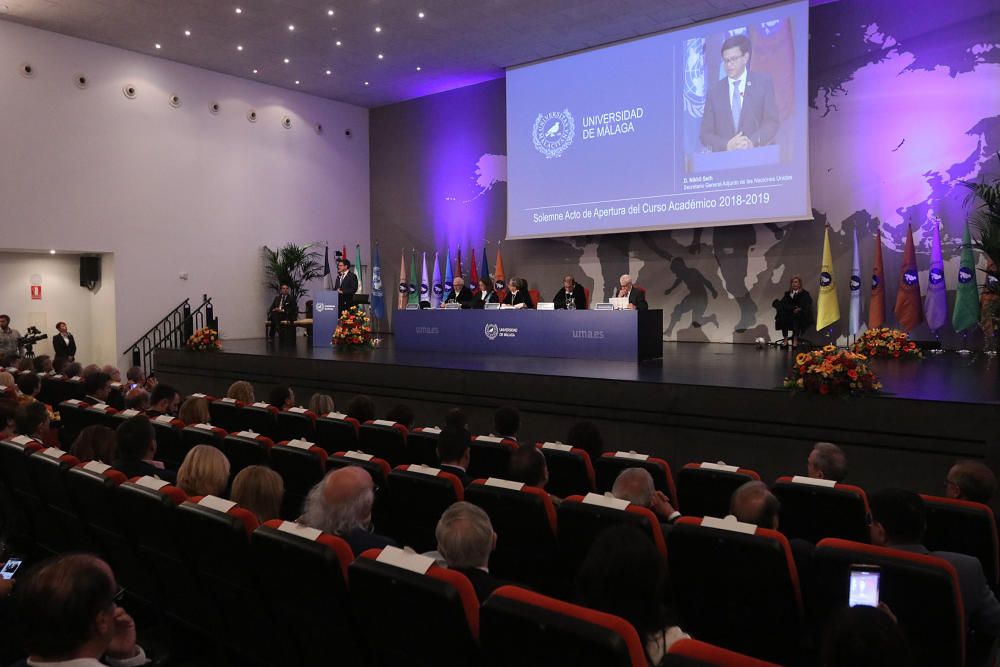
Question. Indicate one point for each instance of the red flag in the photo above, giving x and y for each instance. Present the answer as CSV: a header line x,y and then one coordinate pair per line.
x,y
909,308
473,274
876,303
498,282
344,256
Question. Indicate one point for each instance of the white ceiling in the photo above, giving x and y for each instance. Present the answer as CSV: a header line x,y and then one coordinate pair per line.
x,y
458,42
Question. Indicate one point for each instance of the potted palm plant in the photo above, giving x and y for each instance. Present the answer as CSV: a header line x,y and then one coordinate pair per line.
x,y
293,265
985,218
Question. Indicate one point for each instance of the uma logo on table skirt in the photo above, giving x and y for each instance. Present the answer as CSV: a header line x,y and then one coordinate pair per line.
x,y
491,331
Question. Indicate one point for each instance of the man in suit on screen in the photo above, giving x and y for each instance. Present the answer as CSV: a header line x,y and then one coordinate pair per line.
x,y
740,109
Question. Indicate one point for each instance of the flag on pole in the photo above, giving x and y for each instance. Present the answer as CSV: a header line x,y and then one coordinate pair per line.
x,y
357,264
437,290
473,274
936,300
828,311
343,252
413,290
486,265
966,312
854,325
327,276
876,302
498,281
378,297
404,289
458,264
425,287
448,275
909,310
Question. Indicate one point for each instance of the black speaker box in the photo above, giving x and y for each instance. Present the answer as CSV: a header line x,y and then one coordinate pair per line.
x,y
90,271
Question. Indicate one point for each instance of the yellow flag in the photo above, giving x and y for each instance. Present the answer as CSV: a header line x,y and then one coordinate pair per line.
x,y
828,310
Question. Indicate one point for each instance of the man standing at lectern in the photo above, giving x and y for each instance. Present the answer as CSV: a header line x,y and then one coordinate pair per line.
x,y
635,295
346,285
740,109
283,309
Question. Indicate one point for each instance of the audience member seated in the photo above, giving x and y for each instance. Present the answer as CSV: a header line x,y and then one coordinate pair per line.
x,y
8,415
465,540
73,370
401,414
112,372
528,466
456,417
361,408
194,410
453,452
90,369
25,366
506,423
755,504
136,376
623,574
282,397
43,364
95,443
241,391
32,420
971,480
137,399
204,472
898,522
28,386
98,387
7,380
163,401
321,404
68,615
341,504
584,435
59,365
136,449
827,461
636,486
864,637
260,490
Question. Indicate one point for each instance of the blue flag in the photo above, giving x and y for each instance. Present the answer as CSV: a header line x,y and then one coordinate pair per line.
x,y
327,276
437,291
447,274
485,271
378,298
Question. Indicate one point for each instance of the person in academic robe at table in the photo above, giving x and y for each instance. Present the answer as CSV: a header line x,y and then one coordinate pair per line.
x,y
636,296
571,293
346,285
517,294
793,312
459,294
740,109
63,342
283,309
486,294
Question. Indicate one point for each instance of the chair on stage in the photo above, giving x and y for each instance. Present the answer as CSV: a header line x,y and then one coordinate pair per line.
x,y
812,509
570,470
704,489
611,464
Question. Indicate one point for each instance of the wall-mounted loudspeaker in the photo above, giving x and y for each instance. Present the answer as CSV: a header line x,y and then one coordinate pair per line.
x,y
90,271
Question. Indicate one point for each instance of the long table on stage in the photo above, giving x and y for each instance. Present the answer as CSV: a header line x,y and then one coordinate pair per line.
x,y
614,335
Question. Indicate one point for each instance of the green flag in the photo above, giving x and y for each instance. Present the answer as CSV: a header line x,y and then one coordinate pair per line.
x,y
357,267
414,297
966,313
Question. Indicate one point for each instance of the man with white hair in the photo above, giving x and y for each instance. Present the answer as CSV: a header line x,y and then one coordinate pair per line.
x,y
636,486
465,540
636,295
341,504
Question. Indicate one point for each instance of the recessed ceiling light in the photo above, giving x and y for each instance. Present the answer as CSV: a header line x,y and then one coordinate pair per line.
x,y
378,28
380,56
239,47
287,61
255,71
418,68
291,27
420,15
239,10
52,252
157,45
338,43
296,82
187,33
329,12
328,72
366,83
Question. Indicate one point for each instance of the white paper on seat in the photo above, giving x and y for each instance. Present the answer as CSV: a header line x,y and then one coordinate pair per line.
x,y
129,413
59,376
197,395
504,484
100,406
719,466
605,501
164,419
116,385
558,446
361,456
408,561
152,482
75,379
545,305
75,402
384,422
227,400
828,483
247,434
729,523
204,427
53,452
298,529
335,415
424,470
299,444
22,440
298,411
96,466
217,504
431,429
632,455
261,404
488,438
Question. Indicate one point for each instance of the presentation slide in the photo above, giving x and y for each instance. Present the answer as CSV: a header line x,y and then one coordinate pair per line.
x,y
699,126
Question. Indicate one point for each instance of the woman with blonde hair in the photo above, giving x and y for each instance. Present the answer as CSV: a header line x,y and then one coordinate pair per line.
x,y
6,379
194,411
260,490
320,404
204,472
242,391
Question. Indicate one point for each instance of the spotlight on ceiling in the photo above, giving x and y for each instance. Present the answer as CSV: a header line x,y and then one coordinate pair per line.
x,y
378,28
239,10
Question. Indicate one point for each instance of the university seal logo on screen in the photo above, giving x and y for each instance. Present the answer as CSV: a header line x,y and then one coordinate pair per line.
x,y
553,133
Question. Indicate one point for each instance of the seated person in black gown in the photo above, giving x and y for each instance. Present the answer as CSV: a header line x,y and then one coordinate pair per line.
x,y
517,294
794,311
486,294
571,296
459,293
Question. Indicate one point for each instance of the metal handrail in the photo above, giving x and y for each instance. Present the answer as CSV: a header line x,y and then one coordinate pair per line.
x,y
172,331
155,326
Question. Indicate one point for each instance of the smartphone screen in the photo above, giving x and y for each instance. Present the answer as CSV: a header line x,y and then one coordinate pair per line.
x,y
10,567
864,586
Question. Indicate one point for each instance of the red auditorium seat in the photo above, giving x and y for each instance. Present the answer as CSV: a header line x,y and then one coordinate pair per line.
x,y
813,509
246,448
169,447
304,575
193,435
296,423
71,420
101,414
704,489
227,413
421,445
385,440
693,653
412,612
966,527
262,418
922,591
301,465
24,503
336,432
489,456
378,468
611,464
525,629
739,589
417,497
61,528
570,470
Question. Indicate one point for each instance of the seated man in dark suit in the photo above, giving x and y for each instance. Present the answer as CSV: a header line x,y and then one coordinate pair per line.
x,y
636,296
465,540
459,293
283,309
517,294
570,296
136,447
341,504
899,521
346,285
453,452
971,480
164,400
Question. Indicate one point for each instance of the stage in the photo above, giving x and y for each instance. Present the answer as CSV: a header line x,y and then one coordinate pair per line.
x,y
699,401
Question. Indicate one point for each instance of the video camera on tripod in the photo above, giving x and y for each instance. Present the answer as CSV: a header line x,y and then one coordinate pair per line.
x,y
28,341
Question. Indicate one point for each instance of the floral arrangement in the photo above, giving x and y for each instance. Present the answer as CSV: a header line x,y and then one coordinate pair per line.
x,y
832,371
353,329
204,340
885,342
